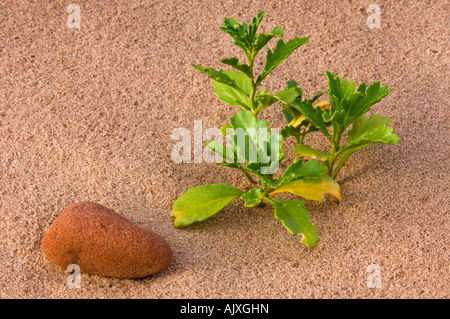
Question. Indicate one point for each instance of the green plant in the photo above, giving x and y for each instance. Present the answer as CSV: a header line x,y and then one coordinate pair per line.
x,y
257,153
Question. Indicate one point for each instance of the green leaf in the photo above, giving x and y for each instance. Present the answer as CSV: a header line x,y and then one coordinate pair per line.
x,y
289,95
265,100
311,169
295,219
234,62
310,153
219,76
291,84
279,54
289,130
286,97
223,151
366,131
312,115
292,111
302,121
202,202
239,33
251,142
245,125
224,128
253,197
340,88
263,39
315,97
258,147
245,37
266,179
347,104
229,94
311,188
253,27
231,87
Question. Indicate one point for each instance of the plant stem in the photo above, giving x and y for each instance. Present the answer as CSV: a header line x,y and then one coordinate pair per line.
x,y
297,138
270,200
251,60
341,162
337,134
332,160
249,177
252,98
302,136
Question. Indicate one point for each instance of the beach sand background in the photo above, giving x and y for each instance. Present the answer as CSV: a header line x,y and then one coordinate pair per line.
x,y
88,113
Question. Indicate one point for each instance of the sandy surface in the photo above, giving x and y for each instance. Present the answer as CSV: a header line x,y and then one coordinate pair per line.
x,y
87,114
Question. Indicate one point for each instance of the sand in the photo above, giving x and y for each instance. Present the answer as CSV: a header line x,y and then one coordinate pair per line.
x,y
88,113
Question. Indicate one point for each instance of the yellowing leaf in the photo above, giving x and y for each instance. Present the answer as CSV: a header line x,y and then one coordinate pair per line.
x,y
298,121
311,188
324,105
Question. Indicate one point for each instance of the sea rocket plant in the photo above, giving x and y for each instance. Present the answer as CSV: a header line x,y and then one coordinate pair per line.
x,y
255,152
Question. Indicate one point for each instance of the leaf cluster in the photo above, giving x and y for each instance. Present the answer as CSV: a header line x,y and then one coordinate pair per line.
x,y
347,107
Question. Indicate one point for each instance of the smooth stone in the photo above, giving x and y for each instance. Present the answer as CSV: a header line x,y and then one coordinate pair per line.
x,y
102,242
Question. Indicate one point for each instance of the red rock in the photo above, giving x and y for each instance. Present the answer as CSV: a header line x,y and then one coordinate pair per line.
x,y
102,242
